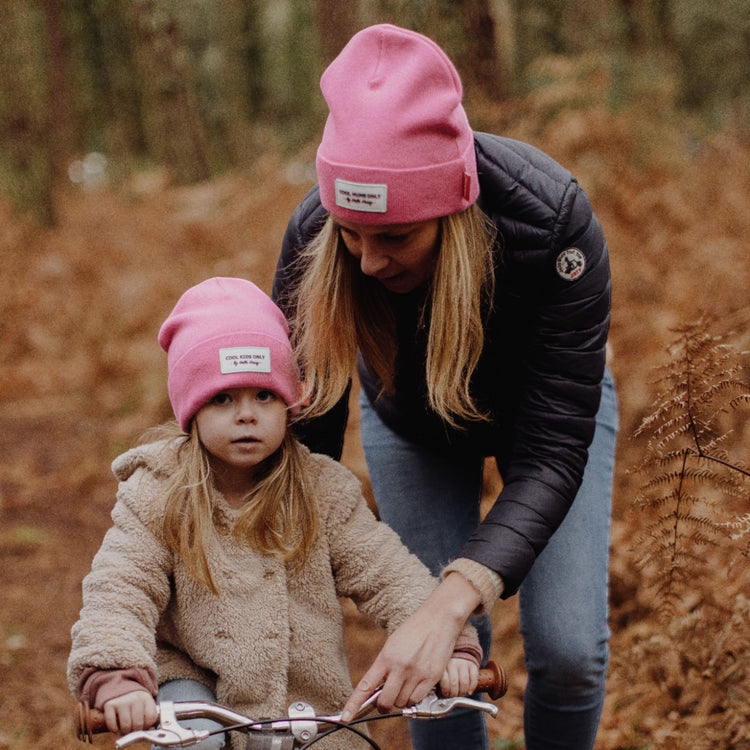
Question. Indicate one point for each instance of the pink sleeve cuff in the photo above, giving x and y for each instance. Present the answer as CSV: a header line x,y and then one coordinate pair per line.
x,y
467,647
97,686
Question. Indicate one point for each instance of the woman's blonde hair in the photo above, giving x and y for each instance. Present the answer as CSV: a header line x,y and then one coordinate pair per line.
x,y
338,310
279,516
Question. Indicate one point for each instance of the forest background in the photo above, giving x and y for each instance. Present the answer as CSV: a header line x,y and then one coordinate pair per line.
x,y
148,144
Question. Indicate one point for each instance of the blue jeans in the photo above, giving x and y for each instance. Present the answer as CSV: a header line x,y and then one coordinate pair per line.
x,y
192,690
432,501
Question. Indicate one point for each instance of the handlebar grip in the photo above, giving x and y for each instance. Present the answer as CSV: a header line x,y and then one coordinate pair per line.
x,y
89,721
493,681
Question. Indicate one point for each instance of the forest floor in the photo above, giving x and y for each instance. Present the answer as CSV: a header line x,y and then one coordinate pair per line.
x,y
82,376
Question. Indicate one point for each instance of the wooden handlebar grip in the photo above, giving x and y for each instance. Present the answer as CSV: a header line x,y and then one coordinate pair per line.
x,y
89,721
493,681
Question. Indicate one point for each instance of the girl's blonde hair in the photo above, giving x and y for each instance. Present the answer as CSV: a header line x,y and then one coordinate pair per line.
x,y
279,516
338,310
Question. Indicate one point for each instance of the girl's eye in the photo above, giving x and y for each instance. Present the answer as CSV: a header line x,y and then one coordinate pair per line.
x,y
221,398
265,396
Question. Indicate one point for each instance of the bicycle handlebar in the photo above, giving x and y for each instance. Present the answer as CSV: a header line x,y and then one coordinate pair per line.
x,y
90,721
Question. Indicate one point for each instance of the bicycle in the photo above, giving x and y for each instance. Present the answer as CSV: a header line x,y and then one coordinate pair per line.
x,y
301,728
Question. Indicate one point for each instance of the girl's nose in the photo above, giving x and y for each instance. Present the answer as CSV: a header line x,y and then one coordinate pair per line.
x,y
245,410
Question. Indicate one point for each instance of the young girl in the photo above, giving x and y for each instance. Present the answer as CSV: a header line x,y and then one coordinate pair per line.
x,y
232,543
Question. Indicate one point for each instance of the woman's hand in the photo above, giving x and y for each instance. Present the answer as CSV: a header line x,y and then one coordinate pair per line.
x,y
130,712
415,656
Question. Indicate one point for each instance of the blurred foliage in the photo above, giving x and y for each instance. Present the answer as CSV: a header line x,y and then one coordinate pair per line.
x,y
713,43
82,376
201,87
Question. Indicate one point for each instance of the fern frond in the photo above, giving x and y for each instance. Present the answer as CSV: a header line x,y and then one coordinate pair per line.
x,y
691,477
737,401
669,478
655,503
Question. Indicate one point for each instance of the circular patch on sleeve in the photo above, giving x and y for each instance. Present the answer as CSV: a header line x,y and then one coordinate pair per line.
x,y
570,263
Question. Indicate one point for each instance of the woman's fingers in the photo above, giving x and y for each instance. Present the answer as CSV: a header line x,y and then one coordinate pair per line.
x,y
364,689
415,655
401,686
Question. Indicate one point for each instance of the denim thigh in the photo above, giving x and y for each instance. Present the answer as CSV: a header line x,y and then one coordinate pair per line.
x,y
563,599
431,500
564,606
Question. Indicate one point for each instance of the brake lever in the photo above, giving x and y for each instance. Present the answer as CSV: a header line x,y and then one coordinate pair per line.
x,y
169,733
432,706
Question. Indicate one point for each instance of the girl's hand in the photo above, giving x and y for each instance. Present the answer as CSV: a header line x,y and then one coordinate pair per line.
x,y
414,658
460,678
130,712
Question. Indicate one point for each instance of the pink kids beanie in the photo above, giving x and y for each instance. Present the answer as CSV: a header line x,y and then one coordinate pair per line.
x,y
226,333
397,146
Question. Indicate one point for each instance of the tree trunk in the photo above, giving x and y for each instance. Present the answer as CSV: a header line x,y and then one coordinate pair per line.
x,y
25,171
481,62
337,23
115,100
173,123
61,133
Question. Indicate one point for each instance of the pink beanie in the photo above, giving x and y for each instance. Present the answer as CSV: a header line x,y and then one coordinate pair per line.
x,y
226,333
397,146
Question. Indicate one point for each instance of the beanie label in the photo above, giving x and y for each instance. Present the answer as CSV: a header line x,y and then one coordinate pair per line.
x,y
245,359
362,196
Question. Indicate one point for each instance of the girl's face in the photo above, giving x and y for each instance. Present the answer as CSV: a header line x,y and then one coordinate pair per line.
x,y
400,256
240,428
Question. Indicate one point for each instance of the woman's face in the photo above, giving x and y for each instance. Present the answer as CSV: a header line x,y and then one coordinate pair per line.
x,y
400,256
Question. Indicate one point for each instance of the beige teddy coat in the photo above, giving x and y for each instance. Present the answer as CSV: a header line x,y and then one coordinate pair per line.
x,y
271,637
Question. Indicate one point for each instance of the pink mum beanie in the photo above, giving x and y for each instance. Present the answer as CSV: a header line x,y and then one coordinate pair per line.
x,y
226,333
397,146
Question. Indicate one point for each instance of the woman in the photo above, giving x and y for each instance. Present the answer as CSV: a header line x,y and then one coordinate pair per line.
x,y
468,277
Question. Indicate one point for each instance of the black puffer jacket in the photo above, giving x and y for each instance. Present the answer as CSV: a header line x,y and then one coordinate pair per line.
x,y
543,361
